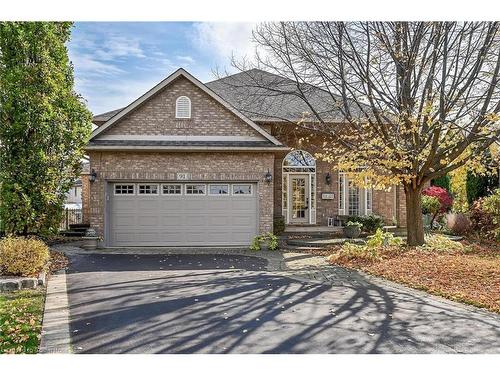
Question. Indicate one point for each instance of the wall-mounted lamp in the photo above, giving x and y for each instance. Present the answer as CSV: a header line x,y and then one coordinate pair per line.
x,y
268,177
328,178
93,176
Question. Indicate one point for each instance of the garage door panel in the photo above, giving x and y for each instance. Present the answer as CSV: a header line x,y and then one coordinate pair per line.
x,y
148,221
182,220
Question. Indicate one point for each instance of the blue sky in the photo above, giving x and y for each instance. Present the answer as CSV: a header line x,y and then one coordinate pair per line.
x,y
117,62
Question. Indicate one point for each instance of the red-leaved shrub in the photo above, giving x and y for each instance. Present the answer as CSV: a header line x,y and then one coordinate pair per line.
x,y
442,195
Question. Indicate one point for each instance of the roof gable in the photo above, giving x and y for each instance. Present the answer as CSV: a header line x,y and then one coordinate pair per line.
x,y
239,124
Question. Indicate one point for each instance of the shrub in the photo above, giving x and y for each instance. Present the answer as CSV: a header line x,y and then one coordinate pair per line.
x,y
350,251
440,243
430,205
371,223
381,238
443,181
479,186
23,256
354,224
272,242
485,215
445,199
278,225
458,223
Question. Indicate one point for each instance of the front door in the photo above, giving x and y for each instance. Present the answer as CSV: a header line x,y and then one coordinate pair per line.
x,y
299,199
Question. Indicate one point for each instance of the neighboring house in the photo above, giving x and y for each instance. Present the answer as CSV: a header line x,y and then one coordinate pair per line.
x,y
74,196
193,164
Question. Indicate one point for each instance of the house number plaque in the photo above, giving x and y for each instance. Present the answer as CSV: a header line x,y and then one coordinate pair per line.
x,y
183,176
327,196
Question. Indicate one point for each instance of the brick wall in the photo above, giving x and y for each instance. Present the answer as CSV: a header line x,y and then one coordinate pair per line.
x,y
157,115
85,197
155,166
383,201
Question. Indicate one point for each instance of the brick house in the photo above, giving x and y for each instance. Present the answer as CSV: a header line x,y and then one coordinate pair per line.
x,y
193,164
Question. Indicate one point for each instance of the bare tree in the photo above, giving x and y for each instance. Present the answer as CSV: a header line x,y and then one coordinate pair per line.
x,y
417,99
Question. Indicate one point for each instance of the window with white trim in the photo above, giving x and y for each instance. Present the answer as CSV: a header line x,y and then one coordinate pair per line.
x,y
183,107
195,189
341,193
353,199
242,189
124,189
172,189
369,199
218,189
148,189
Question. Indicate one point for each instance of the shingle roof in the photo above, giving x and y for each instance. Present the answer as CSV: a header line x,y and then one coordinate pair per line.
x,y
103,117
263,96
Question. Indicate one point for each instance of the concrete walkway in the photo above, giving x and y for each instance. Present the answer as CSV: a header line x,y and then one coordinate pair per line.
x,y
235,301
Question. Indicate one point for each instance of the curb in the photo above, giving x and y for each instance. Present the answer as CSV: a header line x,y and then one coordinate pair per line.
x,y
55,336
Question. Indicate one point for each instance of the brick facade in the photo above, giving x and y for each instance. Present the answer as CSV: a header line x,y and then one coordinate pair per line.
x,y
202,167
384,202
85,198
157,116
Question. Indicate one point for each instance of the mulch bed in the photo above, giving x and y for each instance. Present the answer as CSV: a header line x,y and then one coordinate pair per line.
x,y
58,261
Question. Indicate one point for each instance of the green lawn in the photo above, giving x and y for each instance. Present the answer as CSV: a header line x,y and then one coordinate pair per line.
x,y
21,321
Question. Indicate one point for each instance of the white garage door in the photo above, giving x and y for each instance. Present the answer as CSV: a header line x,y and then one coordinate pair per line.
x,y
190,214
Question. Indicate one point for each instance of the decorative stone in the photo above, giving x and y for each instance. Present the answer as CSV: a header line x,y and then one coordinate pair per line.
x,y
9,286
29,283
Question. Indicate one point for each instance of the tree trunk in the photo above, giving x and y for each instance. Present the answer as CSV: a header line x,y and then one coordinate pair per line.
x,y
414,222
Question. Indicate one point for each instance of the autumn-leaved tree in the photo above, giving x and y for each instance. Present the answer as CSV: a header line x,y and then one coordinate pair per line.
x,y
44,125
418,99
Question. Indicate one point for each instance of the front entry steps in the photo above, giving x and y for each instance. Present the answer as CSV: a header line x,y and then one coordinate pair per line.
x,y
314,236
317,243
76,230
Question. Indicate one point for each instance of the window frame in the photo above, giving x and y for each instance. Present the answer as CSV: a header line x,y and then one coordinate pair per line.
x,y
121,194
147,184
240,194
177,116
204,189
228,193
168,194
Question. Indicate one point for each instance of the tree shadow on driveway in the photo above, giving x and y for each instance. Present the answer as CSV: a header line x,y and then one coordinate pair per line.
x,y
230,304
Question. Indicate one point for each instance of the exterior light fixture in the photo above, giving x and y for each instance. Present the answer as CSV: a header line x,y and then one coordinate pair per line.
x,y
328,178
93,176
268,177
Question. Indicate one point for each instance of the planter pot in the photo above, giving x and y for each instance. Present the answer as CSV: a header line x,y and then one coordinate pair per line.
x,y
426,219
90,243
458,223
352,231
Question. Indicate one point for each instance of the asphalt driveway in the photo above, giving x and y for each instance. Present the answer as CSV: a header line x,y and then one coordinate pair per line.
x,y
204,303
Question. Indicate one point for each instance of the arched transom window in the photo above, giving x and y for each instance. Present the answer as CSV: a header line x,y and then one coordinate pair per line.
x,y
299,161
299,188
183,107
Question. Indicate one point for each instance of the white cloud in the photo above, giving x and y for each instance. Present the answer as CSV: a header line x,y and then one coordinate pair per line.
x,y
86,63
225,39
108,95
185,59
119,46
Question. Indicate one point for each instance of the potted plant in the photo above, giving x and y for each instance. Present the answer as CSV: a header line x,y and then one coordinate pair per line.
x,y
352,229
90,240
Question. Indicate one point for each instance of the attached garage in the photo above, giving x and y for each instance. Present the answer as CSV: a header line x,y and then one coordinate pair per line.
x,y
182,214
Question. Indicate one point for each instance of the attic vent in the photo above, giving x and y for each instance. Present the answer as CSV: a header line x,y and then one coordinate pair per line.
x,y
183,107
